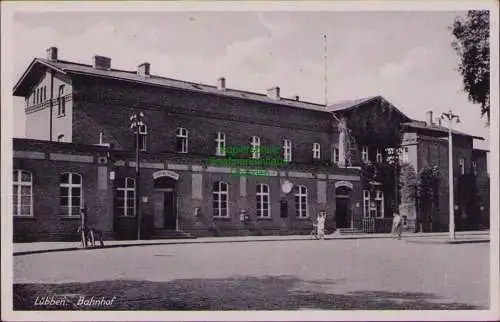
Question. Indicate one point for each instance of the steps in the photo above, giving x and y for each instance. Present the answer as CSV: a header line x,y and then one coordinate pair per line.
x,y
170,234
348,231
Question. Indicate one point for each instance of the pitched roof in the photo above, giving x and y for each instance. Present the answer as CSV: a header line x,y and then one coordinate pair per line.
x,y
349,104
436,129
67,67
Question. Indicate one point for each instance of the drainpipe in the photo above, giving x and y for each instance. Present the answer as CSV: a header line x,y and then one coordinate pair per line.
x,y
52,72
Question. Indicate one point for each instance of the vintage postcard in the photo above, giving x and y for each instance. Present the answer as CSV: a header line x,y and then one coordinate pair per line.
x,y
229,161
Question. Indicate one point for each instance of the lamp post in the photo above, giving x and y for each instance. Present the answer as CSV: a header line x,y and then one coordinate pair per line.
x,y
451,117
136,124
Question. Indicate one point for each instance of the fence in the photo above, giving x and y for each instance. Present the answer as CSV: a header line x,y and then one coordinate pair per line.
x,y
381,225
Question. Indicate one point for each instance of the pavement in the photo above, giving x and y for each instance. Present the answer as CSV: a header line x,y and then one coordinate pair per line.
x,y
430,238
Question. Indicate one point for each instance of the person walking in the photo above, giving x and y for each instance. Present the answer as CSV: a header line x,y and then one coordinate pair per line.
x,y
396,225
320,225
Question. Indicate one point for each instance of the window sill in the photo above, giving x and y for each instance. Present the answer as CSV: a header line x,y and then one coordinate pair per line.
x,y
69,217
264,218
24,217
222,218
304,218
125,217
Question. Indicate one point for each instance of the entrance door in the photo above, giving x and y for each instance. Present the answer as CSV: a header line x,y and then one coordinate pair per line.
x,y
169,210
342,212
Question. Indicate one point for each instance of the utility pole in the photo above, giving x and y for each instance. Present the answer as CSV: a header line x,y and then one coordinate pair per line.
x,y
136,125
451,117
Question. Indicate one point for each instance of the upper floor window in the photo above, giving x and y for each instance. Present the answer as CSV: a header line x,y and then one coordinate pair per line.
x,y
220,144
364,153
316,151
287,150
263,204
125,199
70,194
462,165
181,140
255,144
22,193
301,202
61,102
335,155
220,199
379,156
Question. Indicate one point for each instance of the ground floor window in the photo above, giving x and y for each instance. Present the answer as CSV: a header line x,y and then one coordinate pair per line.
x,y
373,207
301,202
70,194
22,193
366,203
125,197
220,199
263,207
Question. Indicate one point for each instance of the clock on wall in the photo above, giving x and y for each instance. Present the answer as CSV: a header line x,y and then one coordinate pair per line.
x,y
287,186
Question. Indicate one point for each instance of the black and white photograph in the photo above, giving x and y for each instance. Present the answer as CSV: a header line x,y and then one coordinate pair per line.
x,y
225,160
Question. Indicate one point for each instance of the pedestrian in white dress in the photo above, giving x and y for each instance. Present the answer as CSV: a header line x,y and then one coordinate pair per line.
x,y
320,226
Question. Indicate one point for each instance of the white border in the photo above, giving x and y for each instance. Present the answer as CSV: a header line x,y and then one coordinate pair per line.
x,y
9,8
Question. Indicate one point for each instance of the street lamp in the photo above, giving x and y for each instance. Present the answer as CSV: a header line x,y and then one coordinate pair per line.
x,y
136,124
450,117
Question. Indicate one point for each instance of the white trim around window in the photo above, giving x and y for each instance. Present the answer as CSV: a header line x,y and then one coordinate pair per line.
x,y
364,153
70,194
182,138
22,193
220,144
366,203
220,199
316,151
255,144
379,203
263,201
301,208
126,197
287,150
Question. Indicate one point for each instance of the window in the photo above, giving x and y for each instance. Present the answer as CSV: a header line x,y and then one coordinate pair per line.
x,y
220,199
462,166
336,155
125,198
220,144
366,203
255,143
263,205
37,95
70,194
364,153
45,93
301,202
379,204
379,156
33,95
22,193
316,151
182,140
143,137
287,150
61,103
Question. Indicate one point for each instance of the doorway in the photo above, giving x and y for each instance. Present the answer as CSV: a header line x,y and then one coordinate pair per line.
x,y
342,207
169,210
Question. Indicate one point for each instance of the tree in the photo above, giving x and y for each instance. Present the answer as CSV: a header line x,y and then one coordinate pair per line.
x,y
428,192
472,44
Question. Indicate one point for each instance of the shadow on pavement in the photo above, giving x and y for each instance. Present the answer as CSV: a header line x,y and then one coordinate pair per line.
x,y
239,293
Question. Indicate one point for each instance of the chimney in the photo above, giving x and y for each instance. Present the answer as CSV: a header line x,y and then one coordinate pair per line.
x,y
296,98
52,53
429,118
274,93
101,62
143,69
221,83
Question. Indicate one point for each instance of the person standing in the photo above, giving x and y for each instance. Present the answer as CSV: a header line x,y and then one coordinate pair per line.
x,y
396,225
320,225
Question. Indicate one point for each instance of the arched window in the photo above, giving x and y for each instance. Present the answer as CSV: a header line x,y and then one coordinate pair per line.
x,y
255,144
263,204
61,103
70,194
181,135
301,202
287,150
316,151
220,199
125,197
22,193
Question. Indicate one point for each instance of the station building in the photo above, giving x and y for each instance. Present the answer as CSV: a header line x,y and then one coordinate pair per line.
x,y
80,150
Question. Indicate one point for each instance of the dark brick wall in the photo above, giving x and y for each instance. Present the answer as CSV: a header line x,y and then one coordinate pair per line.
x,y
203,115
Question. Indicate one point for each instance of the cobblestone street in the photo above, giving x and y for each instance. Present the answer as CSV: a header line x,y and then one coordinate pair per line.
x,y
274,275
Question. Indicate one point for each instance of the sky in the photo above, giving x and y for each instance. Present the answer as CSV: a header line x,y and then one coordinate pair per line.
x,y
404,56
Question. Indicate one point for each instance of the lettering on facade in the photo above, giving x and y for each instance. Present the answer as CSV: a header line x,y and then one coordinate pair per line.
x,y
344,184
165,173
